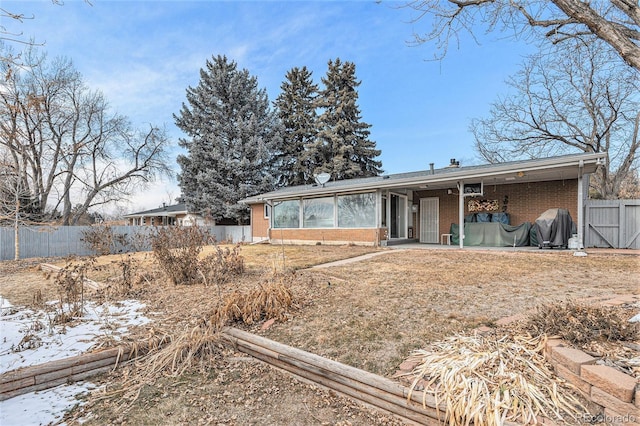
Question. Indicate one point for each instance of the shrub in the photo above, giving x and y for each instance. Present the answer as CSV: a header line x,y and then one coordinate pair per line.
x,y
221,266
176,249
122,282
70,284
103,240
272,298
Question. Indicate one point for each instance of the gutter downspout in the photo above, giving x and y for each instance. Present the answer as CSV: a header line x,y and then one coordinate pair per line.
x,y
461,213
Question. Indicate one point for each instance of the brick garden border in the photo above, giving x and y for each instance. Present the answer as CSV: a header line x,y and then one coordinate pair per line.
x,y
615,394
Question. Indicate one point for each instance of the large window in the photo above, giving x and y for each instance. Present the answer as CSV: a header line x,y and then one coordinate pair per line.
x,y
286,214
317,213
357,211
343,211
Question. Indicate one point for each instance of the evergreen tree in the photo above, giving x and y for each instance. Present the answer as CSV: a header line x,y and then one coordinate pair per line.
x,y
342,147
234,139
297,112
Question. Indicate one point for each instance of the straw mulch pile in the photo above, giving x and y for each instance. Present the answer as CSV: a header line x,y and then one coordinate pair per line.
x,y
487,380
503,376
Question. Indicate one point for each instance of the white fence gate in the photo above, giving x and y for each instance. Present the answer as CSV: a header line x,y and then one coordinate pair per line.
x,y
612,223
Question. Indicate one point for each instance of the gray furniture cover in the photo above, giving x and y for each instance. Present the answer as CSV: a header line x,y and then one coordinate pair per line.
x,y
553,228
491,234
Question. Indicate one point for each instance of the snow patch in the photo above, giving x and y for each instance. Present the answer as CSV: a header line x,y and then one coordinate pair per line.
x,y
42,407
28,338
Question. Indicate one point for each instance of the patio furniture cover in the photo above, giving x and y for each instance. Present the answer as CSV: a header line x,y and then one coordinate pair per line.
x,y
492,234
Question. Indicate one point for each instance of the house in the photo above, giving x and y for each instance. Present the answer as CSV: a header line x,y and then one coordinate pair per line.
x,y
176,214
423,205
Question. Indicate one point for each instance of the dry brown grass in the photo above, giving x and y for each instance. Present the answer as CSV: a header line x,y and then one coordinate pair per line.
x,y
272,298
202,345
504,375
369,314
236,390
581,323
22,281
259,257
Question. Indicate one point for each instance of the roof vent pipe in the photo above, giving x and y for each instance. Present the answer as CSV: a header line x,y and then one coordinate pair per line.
x,y
431,168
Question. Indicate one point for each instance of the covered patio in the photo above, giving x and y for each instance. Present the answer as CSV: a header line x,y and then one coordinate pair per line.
x,y
422,206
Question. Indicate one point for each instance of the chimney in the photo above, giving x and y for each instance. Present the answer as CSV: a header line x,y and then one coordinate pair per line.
x,y
431,168
454,163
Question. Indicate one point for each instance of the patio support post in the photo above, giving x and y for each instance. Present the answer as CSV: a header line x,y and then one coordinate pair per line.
x,y
580,205
461,213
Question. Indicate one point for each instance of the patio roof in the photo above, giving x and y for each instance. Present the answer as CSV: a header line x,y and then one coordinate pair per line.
x,y
537,170
169,211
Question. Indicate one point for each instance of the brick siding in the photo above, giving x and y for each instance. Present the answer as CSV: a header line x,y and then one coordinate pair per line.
x,y
328,235
527,201
259,224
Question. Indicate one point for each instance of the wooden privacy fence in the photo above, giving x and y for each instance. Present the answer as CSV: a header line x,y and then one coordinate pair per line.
x,y
612,224
48,241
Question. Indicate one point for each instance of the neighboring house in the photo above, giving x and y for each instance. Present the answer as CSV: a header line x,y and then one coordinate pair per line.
x,y
422,205
176,214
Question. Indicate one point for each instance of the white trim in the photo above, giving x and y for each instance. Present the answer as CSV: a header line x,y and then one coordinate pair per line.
x,y
580,217
461,213
496,171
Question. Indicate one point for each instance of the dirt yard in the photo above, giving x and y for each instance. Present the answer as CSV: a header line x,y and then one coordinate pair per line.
x,y
369,314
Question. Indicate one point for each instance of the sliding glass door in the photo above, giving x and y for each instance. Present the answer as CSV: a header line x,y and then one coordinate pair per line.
x,y
398,216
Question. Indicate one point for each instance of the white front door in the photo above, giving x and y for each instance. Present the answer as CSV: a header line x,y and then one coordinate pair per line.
x,y
429,219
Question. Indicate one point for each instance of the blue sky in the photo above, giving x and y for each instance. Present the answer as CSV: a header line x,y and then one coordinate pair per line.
x,y
144,54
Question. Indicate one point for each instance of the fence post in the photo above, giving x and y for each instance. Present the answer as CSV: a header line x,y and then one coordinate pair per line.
x,y
622,239
587,221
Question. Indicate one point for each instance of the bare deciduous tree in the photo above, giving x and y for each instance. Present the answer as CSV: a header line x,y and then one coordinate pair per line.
x,y
617,22
15,200
10,37
579,99
74,154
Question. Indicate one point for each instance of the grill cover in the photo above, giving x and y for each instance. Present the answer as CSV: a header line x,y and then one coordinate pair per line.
x,y
553,228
